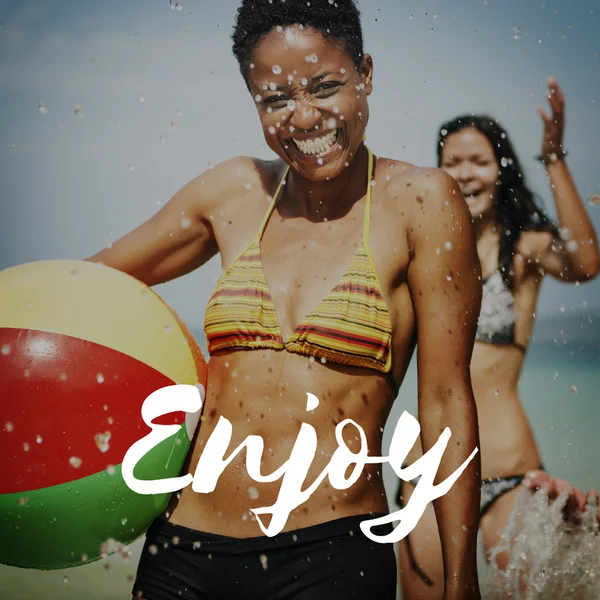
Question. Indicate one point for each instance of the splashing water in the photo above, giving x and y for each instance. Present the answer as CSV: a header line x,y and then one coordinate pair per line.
x,y
552,558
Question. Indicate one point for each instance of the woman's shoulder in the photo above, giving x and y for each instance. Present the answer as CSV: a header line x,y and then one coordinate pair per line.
x,y
533,243
428,189
239,172
232,181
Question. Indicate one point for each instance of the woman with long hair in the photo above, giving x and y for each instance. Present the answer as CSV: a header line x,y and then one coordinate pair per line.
x,y
330,278
518,245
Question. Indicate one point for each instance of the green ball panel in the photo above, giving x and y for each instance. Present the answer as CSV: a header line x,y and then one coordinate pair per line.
x,y
66,525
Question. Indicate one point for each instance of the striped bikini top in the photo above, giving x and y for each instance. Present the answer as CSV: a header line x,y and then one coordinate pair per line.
x,y
350,326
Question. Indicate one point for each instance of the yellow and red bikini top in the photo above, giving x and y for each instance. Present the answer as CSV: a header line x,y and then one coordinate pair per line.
x,y
350,326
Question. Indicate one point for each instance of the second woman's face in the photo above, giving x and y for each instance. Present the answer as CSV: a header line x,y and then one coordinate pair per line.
x,y
468,157
311,100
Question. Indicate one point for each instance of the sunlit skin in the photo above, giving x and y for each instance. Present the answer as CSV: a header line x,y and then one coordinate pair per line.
x,y
308,244
507,442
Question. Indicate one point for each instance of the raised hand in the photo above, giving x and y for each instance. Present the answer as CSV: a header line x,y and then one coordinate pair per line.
x,y
577,500
554,125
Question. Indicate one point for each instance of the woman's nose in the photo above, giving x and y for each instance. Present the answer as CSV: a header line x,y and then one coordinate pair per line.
x,y
463,172
304,116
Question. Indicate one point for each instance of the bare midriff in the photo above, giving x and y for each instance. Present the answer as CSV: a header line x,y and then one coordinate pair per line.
x,y
264,393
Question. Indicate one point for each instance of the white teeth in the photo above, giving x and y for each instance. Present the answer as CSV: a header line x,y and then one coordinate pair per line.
x,y
317,145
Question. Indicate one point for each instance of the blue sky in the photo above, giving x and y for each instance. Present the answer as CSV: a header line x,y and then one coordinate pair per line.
x,y
161,99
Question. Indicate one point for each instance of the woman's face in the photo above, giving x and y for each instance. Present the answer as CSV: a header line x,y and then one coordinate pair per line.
x,y
468,157
311,100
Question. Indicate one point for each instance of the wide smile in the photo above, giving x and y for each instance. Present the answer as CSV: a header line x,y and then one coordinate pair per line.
x,y
316,149
471,196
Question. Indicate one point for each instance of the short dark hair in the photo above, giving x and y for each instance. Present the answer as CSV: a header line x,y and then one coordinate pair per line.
x,y
337,20
516,206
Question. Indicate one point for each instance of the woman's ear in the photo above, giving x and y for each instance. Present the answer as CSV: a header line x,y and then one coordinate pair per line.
x,y
366,73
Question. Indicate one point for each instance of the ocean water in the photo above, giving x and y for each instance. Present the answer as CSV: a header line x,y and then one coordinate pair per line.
x,y
561,395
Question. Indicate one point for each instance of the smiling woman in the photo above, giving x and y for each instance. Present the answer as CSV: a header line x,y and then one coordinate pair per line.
x,y
330,278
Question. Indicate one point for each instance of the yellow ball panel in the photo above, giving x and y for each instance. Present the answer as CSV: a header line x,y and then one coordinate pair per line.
x,y
97,303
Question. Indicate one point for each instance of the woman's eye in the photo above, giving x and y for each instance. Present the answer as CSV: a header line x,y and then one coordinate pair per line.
x,y
276,101
327,88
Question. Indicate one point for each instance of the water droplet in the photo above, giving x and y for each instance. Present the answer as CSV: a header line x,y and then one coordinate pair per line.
x,y
573,389
123,521
572,246
110,470
8,426
504,162
253,493
100,378
101,440
311,58
332,123
448,246
263,561
448,277
39,439
594,200
75,272
43,108
272,130
437,250
304,81
257,98
5,349
320,160
168,328
277,69
78,111
23,501
142,98
175,5
26,447
65,579
75,462
185,223
516,33
565,233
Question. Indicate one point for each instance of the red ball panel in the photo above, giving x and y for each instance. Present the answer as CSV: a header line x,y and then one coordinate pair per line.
x,y
61,396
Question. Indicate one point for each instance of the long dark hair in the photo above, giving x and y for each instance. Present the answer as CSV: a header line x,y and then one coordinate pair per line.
x,y
517,209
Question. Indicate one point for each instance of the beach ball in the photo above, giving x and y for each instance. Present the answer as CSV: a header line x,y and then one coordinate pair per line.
x,y
82,346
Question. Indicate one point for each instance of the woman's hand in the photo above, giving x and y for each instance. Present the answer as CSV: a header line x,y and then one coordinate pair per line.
x,y
577,500
554,125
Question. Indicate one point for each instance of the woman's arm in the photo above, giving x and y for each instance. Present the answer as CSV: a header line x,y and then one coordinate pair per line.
x,y
179,238
575,258
445,286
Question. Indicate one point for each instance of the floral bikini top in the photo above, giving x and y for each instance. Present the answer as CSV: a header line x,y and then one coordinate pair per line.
x,y
350,326
496,324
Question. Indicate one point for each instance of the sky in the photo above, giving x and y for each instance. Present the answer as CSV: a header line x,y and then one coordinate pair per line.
x,y
108,108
